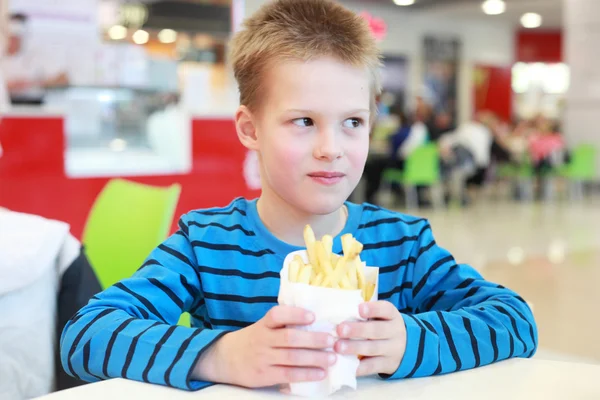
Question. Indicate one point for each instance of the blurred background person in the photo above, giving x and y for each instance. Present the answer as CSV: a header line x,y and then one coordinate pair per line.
x,y
26,73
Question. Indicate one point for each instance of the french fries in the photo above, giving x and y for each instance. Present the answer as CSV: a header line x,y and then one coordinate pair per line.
x,y
327,269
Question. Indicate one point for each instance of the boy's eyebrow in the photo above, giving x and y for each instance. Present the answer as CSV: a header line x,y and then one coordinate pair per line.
x,y
356,111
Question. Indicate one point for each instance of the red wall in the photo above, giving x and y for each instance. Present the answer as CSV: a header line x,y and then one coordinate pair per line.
x,y
493,90
32,177
539,46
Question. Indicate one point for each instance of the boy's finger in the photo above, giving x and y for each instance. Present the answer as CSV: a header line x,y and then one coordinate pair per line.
x,y
295,338
369,348
379,310
375,330
303,358
282,374
281,316
370,366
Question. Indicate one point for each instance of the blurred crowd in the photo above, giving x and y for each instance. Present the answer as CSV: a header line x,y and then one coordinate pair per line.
x,y
470,155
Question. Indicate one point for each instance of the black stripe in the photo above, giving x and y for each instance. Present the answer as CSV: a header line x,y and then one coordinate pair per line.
x,y
438,369
231,211
188,378
370,207
236,227
425,277
230,322
522,300
240,299
397,242
194,309
392,268
421,349
192,291
434,300
389,221
429,326
397,289
131,350
465,283
474,345
235,272
231,247
526,320
177,254
184,228
451,344
142,300
493,340
513,322
157,348
471,292
512,345
166,290
424,249
80,336
86,360
184,346
391,243
142,312
407,310
148,263
111,343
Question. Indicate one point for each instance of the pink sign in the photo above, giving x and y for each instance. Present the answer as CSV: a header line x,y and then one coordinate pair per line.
x,y
377,25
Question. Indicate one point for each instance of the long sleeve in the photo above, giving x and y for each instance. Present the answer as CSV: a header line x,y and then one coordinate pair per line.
x,y
457,319
129,330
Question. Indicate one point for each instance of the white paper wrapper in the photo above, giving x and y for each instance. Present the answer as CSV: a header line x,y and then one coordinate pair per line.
x,y
331,307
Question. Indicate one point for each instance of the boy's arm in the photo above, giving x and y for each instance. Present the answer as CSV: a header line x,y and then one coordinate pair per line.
x,y
129,330
456,319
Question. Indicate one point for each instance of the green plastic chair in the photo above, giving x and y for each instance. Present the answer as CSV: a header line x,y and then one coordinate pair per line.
x,y
127,221
583,164
421,168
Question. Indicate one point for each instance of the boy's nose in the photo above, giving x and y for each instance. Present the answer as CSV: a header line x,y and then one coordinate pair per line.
x,y
328,146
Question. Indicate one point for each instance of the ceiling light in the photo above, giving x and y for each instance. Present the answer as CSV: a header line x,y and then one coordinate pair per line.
x,y
493,7
531,20
167,36
141,37
404,2
117,32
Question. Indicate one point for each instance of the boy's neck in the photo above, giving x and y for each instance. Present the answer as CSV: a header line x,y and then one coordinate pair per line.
x,y
287,223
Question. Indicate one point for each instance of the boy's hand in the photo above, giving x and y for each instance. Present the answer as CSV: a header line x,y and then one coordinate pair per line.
x,y
381,340
269,352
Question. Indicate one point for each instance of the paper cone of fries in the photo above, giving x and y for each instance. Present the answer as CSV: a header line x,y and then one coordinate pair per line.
x,y
332,287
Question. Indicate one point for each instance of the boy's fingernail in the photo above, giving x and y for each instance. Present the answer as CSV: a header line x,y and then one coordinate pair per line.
x,y
330,341
364,309
343,347
345,330
309,317
331,359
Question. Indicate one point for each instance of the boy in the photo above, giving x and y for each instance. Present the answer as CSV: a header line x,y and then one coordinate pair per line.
x,y
307,72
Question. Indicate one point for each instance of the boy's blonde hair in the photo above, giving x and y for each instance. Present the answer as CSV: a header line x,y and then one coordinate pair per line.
x,y
300,30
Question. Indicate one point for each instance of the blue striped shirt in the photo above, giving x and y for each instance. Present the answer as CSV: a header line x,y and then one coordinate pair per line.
x,y
222,266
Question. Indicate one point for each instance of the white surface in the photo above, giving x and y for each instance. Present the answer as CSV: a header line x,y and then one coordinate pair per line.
x,y
517,379
34,252
92,163
331,307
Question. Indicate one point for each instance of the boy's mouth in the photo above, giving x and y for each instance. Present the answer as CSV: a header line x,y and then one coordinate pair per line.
x,y
327,178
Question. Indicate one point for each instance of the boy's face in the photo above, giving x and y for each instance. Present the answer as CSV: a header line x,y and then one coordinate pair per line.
x,y
312,132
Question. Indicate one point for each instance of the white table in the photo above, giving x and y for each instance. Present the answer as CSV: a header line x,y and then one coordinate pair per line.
x,y
515,379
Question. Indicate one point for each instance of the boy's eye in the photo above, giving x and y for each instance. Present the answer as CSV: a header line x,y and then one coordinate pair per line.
x,y
353,123
303,122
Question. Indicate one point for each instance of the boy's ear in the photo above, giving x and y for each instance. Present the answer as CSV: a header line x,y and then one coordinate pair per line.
x,y
246,128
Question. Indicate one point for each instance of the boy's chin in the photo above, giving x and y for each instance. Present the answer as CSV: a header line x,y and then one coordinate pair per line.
x,y
323,205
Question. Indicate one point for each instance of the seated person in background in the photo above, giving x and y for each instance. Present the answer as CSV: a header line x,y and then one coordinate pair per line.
x,y
435,315
546,146
468,149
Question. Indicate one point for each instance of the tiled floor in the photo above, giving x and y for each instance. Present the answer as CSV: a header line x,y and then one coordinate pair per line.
x,y
549,253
